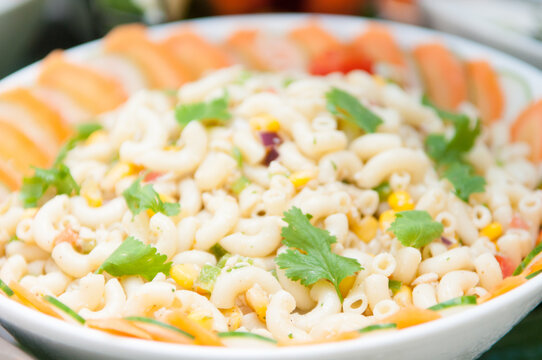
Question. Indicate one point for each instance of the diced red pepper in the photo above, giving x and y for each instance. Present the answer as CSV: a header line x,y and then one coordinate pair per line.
x,y
506,264
152,176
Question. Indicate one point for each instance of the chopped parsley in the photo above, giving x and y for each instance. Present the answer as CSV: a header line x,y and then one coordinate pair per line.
x,y
309,257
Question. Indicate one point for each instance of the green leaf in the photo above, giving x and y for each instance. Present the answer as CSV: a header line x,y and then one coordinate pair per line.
x,y
443,114
316,261
375,327
133,257
59,304
415,228
207,277
464,181
528,259
139,198
394,285
214,110
458,301
58,177
83,132
347,107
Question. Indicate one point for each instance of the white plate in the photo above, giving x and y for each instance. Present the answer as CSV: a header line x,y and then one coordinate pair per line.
x,y
504,24
462,336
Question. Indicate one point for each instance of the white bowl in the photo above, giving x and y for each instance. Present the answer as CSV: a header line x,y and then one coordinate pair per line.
x,y
462,336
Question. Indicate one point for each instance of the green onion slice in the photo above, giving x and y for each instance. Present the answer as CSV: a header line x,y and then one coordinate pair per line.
x,y
528,259
377,327
244,334
158,323
532,275
54,301
458,301
5,288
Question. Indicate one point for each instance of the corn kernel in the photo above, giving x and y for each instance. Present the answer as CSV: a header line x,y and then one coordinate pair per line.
x,y
258,300
400,201
403,297
346,284
386,218
202,318
233,316
300,178
91,192
184,275
96,137
117,172
379,80
264,122
492,231
172,148
366,228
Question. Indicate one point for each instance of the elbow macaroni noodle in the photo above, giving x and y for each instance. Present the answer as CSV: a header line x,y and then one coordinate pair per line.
x,y
324,169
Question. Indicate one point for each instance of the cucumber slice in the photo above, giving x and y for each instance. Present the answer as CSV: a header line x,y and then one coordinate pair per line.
x,y
158,323
530,276
243,334
517,93
57,303
5,288
458,301
528,259
376,327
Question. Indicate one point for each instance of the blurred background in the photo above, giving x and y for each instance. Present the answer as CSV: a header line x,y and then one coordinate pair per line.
x,y
30,29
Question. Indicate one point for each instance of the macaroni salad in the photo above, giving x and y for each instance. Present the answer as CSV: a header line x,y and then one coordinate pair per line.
x,y
252,209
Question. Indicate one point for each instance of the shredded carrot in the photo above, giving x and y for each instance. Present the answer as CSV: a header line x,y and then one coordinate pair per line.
x,y
410,316
533,266
28,297
505,286
203,336
344,336
159,333
118,327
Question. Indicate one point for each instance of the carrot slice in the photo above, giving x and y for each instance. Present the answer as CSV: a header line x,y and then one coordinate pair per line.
x,y
118,327
263,52
186,46
528,128
202,335
17,147
442,74
505,286
9,176
410,316
378,45
91,90
159,333
46,118
313,39
37,302
485,90
156,61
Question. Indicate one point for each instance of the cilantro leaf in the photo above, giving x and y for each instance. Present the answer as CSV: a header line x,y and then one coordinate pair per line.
x,y
139,198
415,228
443,114
347,107
83,132
464,181
133,257
216,110
58,176
312,259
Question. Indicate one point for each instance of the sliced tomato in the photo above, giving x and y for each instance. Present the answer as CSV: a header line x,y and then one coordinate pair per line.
x,y
517,222
338,60
263,52
485,90
314,39
528,128
506,264
88,88
378,45
442,74
186,46
46,118
157,62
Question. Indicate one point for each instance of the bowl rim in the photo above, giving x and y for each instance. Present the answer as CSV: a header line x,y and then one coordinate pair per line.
x,y
34,322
